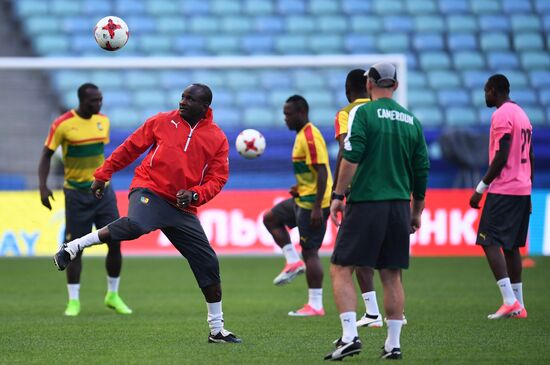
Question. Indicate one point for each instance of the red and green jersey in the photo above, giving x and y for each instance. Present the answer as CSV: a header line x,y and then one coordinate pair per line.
x,y
310,149
82,142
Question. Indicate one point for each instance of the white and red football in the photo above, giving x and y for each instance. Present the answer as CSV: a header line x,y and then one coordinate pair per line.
x,y
250,143
111,33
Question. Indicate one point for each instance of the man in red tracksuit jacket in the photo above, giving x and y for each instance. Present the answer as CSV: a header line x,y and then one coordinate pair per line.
x,y
186,166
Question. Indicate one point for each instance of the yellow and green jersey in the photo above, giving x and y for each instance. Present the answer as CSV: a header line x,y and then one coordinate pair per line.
x,y
82,141
342,117
310,149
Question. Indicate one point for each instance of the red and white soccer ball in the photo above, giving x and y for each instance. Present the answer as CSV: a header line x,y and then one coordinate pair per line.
x,y
250,143
111,33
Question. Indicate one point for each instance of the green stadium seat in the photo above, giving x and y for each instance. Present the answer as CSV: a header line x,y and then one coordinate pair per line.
x,y
421,97
320,7
241,79
392,42
136,79
40,25
300,24
258,117
258,7
434,61
365,24
236,24
25,8
461,116
525,23
535,60
65,7
224,7
443,79
204,24
51,45
291,44
332,24
428,115
388,7
107,79
491,42
535,114
429,23
155,45
326,44
468,60
485,6
161,7
417,7
223,45
171,25
461,24
528,42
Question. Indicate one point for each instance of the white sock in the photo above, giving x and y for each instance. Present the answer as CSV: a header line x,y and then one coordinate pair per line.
x,y
291,255
371,304
349,329
394,333
505,287
316,298
77,245
74,291
518,292
112,284
215,317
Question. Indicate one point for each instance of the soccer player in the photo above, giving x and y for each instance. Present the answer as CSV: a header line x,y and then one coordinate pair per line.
x,y
82,134
505,217
186,166
308,209
385,160
356,93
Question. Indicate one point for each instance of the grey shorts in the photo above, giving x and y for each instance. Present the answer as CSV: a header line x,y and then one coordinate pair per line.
x,y
291,215
374,234
148,212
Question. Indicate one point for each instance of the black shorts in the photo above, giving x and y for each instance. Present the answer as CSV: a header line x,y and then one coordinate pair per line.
x,y
148,212
291,215
83,210
504,221
374,234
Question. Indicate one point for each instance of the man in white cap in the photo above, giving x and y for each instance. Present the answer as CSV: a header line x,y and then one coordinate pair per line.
x,y
385,160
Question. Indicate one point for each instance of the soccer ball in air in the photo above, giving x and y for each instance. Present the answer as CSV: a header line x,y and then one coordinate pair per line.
x,y
250,143
111,33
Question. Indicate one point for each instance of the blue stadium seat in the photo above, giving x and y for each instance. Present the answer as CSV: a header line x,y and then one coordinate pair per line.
x,y
25,8
257,117
475,79
542,6
175,79
412,61
365,23
461,116
461,41
223,45
40,25
546,24
453,6
461,23
129,7
528,42
81,44
525,23
388,7
535,114
227,117
421,6
65,7
428,116
249,98
277,98
514,6
469,60
97,7
326,44
429,23
258,7
320,7
171,25
494,23
478,98
141,24
319,97
451,97
491,42
416,80
269,24
484,114
544,97
435,60
523,97
136,79
332,24
154,99
153,45
161,7
300,24
535,60
392,42
287,7
356,6
540,79
113,98
359,43
502,60
124,118
107,79
190,44
307,79
76,24
257,44
241,79
204,24
517,78
69,80
224,7
236,24
428,42
443,79
194,8
485,6
421,97
51,45
210,78
397,23
222,97
272,79
291,44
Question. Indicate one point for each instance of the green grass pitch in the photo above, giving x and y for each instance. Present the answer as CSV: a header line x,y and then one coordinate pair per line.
x,y
447,303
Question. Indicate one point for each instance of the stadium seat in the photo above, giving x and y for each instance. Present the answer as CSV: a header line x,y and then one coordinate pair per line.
x,y
65,7
392,42
260,117
171,25
421,97
435,60
461,24
388,7
222,97
227,117
484,114
524,97
75,25
451,97
525,23
210,78
478,97
461,116
40,25
356,6
161,7
396,23
26,8
443,79
113,98
154,45
175,79
540,79
475,79
365,24
491,42
517,78
129,7
277,98
514,6
287,7
544,97
223,45
359,43
453,6
190,44
141,79
542,6
272,79
535,114
242,79
51,45
107,79
412,61
154,99
502,60
124,118
428,42
257,44
420,6
428,116
291,44
97,8
323,117
307,79
141,24
236,24
546,24
258,7
485,6
69,80
494,23
300,24
468,60
416,80
325,44
204,24
461,42
528,42
250,98
223,7
319,97
321,7
535,60
429,23
332,24
269,24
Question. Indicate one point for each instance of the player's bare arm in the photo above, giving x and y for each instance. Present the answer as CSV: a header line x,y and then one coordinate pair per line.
x,y
345,175
43,172
494,170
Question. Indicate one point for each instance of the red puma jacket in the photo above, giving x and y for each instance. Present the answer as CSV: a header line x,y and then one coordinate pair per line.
x,y
180,157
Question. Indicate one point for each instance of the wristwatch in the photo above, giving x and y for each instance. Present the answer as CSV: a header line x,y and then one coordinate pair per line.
x,y
337,196
194,196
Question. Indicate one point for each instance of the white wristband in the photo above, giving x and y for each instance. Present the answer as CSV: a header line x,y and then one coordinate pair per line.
x,y
481,187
